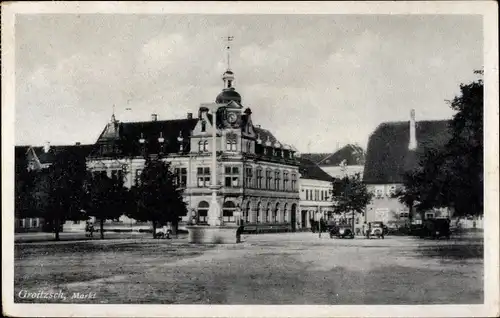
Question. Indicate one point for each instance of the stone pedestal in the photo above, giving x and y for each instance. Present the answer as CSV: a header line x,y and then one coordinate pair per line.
x,y
212,234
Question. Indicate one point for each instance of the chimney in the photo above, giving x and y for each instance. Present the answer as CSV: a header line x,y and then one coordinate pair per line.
x,y
154,117
412,145
77,143
46,148
190,116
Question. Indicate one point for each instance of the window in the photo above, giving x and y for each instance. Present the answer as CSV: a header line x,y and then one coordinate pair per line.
x,y
277,180
232,176
275,153
248,177
231,145
378,193
228,211
285,214
429,215
257,215
203,126
268,212
203,177
34,222
203,212
246,213
322,195
294,181
285,180
392,191
259,178
180,177
203,146
307,195
249,147
269,179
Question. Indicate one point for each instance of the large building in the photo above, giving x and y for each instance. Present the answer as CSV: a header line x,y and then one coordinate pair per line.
x,y
393,149
257,175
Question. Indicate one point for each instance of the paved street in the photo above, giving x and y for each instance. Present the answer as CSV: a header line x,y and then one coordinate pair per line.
x,y
288,268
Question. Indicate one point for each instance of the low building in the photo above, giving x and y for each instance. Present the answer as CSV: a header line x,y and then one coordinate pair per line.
x,y
393,149
315,194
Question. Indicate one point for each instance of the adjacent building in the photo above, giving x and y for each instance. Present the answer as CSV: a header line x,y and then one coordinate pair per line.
x,y
315,194
393,149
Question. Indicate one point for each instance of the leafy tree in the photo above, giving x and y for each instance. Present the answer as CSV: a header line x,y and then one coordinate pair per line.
x,y
351,194
106,198
58,190
23,190
452,176
158,198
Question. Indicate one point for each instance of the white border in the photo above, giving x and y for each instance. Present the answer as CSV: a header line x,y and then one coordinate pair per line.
x,y
488,9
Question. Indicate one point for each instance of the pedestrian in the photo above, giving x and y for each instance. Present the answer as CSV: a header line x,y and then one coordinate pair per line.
x,y
363,229
91,230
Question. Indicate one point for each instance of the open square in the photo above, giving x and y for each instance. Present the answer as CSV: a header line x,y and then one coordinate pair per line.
x,y
288,268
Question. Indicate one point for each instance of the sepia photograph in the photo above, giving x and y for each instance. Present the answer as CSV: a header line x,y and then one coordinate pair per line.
x,y
308,159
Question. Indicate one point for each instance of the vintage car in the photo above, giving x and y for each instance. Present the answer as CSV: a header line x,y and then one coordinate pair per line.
x,y
376,229
435,228
341,231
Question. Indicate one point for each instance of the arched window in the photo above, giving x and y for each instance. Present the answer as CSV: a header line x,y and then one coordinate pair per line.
x,y
246,213
205,145
203,212
275,213
203,126
285,213
257,215
228,211
268,212
200,146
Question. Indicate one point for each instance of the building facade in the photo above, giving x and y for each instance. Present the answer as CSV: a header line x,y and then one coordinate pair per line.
x,y
393,149
315,194
257,176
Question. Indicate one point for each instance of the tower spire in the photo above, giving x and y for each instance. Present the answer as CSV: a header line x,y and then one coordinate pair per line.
x,y
229,39
113,118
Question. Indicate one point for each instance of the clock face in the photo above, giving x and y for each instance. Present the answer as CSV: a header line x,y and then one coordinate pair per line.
x,y
232,117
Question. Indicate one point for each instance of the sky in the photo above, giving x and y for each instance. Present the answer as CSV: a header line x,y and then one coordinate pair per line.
x,y
315,81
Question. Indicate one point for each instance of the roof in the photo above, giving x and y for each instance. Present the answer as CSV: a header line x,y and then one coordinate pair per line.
x,y
130,132
310,170
352,154
21,152
388,156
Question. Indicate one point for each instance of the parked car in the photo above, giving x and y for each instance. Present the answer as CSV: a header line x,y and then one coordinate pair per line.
x,y
377,229
342,231
436,228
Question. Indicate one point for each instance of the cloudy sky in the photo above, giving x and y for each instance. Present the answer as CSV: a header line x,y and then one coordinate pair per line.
x,y
315,81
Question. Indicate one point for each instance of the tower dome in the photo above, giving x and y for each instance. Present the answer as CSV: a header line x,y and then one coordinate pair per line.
x,y
228,92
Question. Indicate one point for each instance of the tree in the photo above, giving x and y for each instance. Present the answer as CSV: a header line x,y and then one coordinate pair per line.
x,y
351,194
158,198
106,198
452,176
58,190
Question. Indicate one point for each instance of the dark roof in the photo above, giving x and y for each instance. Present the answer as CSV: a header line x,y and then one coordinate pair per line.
x,y
315,157
80,151
352,154
310,170
227,95
130,133
388,156
264,134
